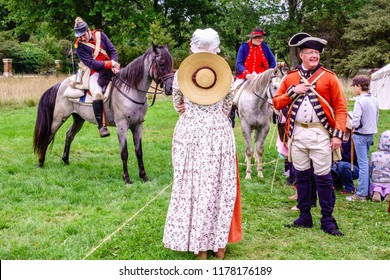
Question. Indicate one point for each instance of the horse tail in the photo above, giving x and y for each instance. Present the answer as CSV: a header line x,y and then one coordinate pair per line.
x,y
42,132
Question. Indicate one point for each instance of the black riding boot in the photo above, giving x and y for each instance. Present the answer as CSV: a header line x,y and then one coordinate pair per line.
x,y
326,198
97,106
233,115
304,190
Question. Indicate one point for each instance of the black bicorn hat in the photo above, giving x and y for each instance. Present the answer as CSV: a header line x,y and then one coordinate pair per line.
x,y
304,40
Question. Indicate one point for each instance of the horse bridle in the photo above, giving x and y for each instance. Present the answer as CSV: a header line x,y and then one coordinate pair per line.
x,y
159,80
269,93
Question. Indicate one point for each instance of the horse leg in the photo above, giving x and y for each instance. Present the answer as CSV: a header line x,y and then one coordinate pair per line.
x,y
260,135
137,139
70,134
246,132
42,152
56,124
121,128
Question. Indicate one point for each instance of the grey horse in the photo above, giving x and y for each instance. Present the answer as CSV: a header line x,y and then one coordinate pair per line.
x,y
255,111
125,108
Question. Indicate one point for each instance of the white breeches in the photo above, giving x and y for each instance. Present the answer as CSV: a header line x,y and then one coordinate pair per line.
x,y
94,88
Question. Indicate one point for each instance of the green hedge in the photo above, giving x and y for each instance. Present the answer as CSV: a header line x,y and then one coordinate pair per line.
x,y
35,56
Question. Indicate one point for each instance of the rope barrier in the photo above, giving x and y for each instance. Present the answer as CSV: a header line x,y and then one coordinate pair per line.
x,y
125,223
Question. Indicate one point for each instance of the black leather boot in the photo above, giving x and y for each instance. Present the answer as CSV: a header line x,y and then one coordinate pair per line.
x,y
97,106
326,198
304,190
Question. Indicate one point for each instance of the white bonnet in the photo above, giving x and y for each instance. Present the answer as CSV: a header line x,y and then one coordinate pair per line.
x,y
205,40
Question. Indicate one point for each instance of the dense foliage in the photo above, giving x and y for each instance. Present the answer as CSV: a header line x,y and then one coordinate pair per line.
x,y
356,30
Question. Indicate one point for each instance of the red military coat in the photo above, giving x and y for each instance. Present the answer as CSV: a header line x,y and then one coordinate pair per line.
x,y
327,86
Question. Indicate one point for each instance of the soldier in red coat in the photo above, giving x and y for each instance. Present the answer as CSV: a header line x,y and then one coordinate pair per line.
x,y
316,123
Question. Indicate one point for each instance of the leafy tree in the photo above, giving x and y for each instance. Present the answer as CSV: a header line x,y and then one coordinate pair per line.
x,y
31,59
367,34
325,19
132,25
238,19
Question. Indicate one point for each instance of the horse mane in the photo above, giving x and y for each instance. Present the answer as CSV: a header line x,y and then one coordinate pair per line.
x,y
259,81
134,71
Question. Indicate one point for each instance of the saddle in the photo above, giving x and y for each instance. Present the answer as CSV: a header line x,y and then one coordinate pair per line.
x,y
237,94
83,95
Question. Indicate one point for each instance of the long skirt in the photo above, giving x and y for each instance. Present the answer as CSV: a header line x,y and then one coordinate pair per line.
x,y
205,183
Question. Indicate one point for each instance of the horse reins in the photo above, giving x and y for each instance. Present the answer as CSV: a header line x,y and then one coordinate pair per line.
x,y
159,80
268,90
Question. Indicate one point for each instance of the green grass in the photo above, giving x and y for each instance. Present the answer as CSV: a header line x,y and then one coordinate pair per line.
x,y
66,212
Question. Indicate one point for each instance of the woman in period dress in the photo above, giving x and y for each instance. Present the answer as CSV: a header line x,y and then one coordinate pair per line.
x,y
203,152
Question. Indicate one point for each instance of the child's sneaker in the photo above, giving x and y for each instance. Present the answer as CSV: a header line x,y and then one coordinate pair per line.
x,y
376,197
356,197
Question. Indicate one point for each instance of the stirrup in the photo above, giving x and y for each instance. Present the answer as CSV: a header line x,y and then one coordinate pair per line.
x,y
103,131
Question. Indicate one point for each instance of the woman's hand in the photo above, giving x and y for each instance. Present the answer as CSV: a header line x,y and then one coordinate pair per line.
x,y
180,107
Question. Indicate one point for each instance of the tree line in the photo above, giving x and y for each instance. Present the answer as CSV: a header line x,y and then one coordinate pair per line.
x,y
34,33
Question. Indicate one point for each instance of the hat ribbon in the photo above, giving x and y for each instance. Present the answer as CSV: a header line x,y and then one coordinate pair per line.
x,y
196,72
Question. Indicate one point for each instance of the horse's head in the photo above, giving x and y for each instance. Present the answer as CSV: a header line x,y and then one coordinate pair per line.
x,y
260,82
275,81
162,68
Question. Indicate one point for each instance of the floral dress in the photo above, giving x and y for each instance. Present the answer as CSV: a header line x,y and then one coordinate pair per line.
x,y
204,186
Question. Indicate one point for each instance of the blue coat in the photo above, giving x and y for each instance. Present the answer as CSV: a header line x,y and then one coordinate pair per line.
x,y
85,52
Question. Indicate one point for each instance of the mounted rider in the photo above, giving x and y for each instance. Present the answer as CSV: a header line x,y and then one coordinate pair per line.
x,y
102,59
253,57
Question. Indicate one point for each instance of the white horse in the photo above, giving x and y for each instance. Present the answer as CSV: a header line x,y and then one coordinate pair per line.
x,y
255,112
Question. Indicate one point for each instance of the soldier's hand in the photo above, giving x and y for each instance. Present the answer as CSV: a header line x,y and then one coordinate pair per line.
x,y
301,88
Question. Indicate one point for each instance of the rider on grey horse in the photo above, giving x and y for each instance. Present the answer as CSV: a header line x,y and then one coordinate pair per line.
x,y
101,58
253,57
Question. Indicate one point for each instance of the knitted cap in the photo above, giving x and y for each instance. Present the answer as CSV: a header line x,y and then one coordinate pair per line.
x,y
80,27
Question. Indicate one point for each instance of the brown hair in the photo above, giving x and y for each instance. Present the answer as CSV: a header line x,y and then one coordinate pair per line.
x,y
361,80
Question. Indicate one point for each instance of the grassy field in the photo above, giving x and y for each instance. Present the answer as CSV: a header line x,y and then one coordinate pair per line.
x,y
85,211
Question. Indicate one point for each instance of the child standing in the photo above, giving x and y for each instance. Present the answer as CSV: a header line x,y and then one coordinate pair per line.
x,y
364,121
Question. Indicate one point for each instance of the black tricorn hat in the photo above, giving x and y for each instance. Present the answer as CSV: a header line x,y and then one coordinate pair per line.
x,y
305,40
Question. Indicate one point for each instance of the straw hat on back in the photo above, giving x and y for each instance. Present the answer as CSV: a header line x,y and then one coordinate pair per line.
x,y
204,78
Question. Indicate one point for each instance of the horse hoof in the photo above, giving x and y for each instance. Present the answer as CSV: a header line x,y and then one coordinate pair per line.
x,y
145,179
127,180
248,176
260,174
